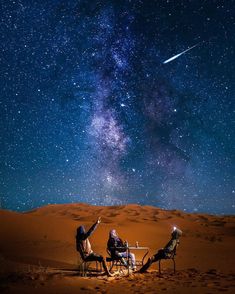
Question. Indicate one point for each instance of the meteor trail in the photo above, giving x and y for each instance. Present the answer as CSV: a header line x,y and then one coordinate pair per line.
x,y
178,55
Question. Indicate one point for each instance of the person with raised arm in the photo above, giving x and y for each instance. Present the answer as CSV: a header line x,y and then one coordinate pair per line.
x,y
84,246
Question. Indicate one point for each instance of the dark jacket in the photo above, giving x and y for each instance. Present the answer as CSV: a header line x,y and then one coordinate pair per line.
x,y
172,244
115,246
82,243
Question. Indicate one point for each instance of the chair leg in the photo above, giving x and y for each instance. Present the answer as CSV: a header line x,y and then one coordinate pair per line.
x,y
86,265
174,264
86,268
116,264
100,266
112,264
82,269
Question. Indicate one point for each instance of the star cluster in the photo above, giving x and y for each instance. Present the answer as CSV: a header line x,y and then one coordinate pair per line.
x,y
90,113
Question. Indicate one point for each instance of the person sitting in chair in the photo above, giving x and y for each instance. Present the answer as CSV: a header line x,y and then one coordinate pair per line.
x,y
164,252
118,249
84,246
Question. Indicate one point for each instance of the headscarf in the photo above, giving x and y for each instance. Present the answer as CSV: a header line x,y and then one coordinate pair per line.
x,y
176,233
80,232
113,234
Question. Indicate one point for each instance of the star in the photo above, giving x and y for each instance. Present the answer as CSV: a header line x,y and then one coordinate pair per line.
x,y
91,114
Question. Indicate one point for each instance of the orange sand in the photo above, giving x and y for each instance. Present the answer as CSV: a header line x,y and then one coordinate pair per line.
x,y
37,250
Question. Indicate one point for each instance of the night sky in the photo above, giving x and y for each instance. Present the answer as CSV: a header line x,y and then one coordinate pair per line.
x,y
90,113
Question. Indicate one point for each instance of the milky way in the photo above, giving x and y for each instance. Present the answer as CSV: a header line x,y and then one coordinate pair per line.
x,y
91,114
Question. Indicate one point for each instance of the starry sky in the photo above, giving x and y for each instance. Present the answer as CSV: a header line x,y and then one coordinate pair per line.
x,y
90,112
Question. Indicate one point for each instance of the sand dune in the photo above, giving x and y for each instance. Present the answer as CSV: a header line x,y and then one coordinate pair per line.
x,y
36,246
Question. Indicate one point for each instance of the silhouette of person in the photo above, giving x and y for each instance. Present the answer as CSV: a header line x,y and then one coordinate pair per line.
x,y
117,248
164,252
84,246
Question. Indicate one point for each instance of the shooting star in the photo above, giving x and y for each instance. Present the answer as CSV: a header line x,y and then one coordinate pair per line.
x,y
178,55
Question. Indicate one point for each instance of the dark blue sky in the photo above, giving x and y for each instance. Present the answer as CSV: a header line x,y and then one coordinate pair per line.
x,y
89,112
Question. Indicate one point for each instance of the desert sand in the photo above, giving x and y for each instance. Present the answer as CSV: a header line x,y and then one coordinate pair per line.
x,y
38,252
